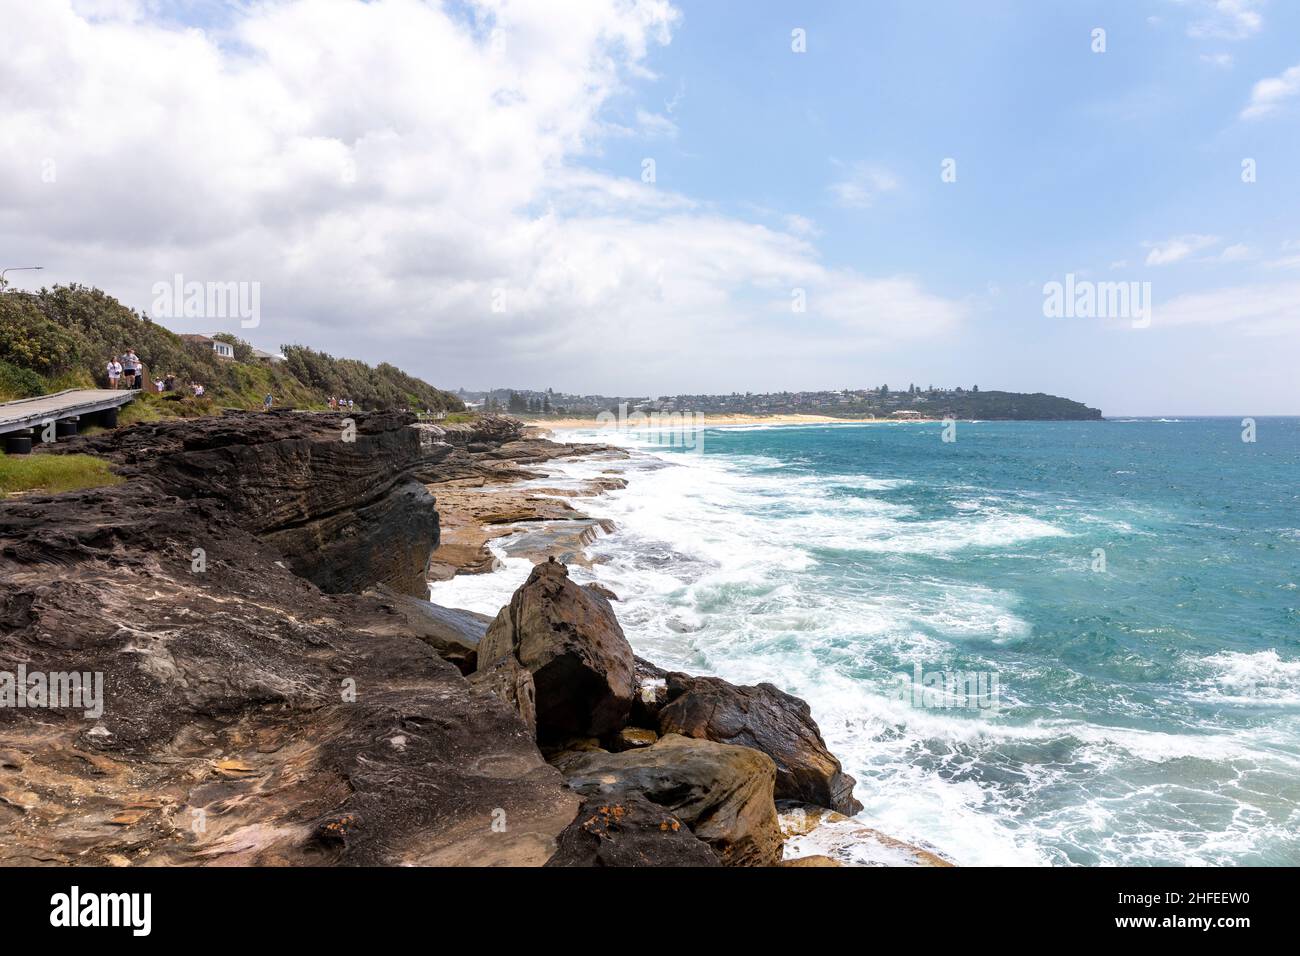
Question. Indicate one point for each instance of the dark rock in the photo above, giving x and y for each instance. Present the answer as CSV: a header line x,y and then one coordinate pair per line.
x,y
629,831
571,642
650,693
453,633
345,509
512,683
723,793
630,738
306,727
767,719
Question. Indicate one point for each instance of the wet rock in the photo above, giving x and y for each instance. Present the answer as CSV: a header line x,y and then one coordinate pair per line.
x,y
629,831
767,719
630,738
817,834
597,588
571,643
811,861
723,793
651,693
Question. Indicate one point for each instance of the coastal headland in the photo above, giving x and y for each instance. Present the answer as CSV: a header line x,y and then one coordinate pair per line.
x,y
277,689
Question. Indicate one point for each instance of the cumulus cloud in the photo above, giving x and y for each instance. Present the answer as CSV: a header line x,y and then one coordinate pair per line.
x,y
408,181
1177,249
1269,94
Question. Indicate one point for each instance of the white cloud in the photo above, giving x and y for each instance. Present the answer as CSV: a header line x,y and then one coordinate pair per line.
x,y
1226,19
655,125
862,184
385,169
1259,310
1221,60
1177,249
1268,95
801,225
1237,252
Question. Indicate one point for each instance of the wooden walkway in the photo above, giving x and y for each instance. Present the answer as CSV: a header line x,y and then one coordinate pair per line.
x,y
33,412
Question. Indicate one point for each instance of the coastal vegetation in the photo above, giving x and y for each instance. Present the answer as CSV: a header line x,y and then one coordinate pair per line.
x,y
53,473
62,337
849,403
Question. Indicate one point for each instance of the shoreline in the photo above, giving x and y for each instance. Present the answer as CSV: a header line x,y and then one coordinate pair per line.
x,y
539,506
709,420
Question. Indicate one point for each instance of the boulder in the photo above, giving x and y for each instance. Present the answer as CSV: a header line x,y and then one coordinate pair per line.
x,y
651,693
767,719
512,683
629,831
453,633
569,640
722,793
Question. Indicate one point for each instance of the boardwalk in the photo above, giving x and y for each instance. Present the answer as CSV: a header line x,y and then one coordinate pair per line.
x,y
33,412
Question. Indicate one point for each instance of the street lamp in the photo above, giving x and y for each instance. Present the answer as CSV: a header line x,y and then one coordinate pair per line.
x,y
17,269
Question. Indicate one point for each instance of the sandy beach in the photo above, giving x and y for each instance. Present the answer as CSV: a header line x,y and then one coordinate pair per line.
x,y
709,421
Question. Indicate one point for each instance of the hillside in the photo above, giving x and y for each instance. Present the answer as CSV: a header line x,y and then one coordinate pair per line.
x,y
62,337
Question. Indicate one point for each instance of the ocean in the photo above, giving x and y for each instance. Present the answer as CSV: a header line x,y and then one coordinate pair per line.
x,y
1126,595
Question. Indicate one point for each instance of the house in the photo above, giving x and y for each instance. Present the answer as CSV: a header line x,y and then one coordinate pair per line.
x,y
224,350
270,358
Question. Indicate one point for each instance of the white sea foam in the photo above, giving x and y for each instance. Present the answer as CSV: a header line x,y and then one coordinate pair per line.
x,y
719,561
1261,678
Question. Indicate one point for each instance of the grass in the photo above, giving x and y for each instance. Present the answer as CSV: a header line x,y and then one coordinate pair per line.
x,y
53,473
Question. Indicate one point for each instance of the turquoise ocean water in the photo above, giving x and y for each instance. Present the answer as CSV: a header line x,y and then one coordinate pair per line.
x,y
1132,586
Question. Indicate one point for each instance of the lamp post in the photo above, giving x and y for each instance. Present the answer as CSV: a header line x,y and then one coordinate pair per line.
x,y
17,269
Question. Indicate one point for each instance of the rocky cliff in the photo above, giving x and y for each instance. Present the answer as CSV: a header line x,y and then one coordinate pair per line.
x,y
275,691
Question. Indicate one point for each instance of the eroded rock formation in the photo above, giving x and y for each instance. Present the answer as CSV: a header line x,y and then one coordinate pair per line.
x,y
569,640
248,717
277,691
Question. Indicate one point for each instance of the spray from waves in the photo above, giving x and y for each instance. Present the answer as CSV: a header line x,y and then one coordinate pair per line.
x,y
709,565
831,585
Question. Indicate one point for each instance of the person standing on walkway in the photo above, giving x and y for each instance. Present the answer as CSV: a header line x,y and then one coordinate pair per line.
x,y
114,372
136,368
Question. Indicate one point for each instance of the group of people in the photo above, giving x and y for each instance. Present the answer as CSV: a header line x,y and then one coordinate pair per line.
x,y
340,404
168,384
127,370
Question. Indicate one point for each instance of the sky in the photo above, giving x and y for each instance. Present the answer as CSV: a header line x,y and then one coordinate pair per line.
x,y
640,197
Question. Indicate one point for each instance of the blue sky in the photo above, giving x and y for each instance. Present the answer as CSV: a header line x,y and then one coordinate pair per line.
x,y
1067,161
457,187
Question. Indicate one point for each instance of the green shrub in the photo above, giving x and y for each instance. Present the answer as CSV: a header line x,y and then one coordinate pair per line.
x,y
18,382
67,334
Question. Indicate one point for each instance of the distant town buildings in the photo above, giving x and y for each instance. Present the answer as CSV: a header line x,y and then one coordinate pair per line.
x,y
880,401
